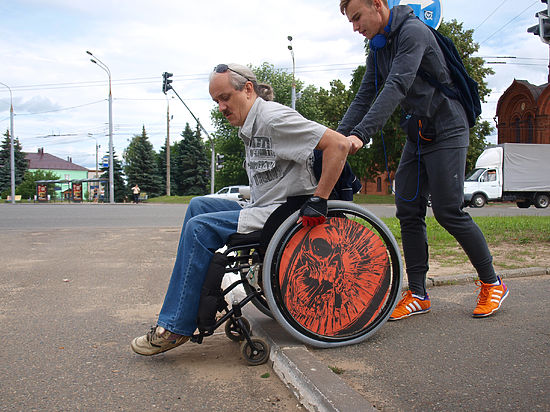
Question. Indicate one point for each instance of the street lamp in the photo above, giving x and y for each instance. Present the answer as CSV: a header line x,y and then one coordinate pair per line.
x,y
293,97
96,60
12,152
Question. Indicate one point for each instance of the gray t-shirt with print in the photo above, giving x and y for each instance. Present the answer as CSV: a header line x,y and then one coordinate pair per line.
x,y
279,145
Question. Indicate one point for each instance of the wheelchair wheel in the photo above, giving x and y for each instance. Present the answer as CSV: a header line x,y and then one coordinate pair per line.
x,y
333,284
257,353
233,330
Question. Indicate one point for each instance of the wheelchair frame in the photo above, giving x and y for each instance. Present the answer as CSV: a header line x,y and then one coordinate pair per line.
x,y
258,270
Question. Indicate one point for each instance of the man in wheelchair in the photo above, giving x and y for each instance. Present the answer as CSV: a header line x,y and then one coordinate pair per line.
x,y
279,145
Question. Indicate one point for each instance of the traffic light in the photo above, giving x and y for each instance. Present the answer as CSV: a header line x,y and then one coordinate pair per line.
x,y
166,82
219,161
543,28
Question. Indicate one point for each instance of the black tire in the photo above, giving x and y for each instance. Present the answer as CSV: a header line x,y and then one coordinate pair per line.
x,y
542,200
523,204
257,355
234,332
478,200
375,312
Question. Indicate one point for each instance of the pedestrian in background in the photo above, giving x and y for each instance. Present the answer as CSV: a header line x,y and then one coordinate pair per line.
x,y
136,191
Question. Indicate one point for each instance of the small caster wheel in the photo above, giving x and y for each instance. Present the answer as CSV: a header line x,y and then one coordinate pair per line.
x,y
233,330
257,354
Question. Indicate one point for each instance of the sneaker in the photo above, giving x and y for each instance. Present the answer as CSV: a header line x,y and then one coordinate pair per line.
x,y
157,340
490,298
410,305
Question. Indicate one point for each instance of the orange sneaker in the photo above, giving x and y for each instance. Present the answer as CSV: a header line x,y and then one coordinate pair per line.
x,y
410,305
490,298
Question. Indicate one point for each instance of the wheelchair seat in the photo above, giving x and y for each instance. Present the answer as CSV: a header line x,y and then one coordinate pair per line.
x,y
241,239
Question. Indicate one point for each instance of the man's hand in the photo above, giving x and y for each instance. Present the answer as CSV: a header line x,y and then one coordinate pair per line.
x,y
356,144
314,211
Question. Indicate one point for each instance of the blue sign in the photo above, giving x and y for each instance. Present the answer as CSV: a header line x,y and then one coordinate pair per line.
x,y
429,11
105,161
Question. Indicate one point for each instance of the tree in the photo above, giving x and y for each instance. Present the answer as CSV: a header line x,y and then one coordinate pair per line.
x,y
463,40
118,178
334,103
161,167
141,165
228,143
27,188
5,163
191,164
280,80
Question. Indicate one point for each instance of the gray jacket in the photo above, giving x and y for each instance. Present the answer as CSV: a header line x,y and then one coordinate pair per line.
x,y
410,46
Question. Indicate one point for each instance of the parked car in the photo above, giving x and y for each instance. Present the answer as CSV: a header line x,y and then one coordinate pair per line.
x,y
232,193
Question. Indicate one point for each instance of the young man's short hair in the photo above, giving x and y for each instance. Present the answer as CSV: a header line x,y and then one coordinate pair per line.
x,y
344,4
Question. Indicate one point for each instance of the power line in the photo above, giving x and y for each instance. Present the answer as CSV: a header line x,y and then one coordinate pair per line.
x,y
181,77
493,12
492,35
511,57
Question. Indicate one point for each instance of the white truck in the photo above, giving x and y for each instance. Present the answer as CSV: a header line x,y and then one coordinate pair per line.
x,y
513,172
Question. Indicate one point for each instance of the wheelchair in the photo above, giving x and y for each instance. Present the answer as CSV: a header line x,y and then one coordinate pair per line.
x,y
329,285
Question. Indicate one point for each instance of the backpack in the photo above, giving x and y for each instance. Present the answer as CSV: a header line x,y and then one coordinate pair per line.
x,y
466,88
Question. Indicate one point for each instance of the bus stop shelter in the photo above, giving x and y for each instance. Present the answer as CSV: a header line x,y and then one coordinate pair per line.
x,y
74,191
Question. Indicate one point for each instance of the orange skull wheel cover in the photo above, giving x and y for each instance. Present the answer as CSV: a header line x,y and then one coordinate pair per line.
x,y
334,277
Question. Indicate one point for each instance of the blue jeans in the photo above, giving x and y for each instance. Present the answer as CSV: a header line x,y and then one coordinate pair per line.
x,y
207,225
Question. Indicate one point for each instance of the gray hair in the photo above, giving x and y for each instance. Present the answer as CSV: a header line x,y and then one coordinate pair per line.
x,y
239,75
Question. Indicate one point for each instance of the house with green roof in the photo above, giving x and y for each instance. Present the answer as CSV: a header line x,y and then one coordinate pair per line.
x,y
65,169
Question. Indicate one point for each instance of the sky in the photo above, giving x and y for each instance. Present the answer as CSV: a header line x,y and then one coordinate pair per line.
x,y
60,97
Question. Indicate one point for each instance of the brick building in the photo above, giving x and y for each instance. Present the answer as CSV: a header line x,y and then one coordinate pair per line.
x,y
523,113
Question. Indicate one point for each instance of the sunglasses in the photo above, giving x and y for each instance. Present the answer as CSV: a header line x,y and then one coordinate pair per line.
x,y
222,68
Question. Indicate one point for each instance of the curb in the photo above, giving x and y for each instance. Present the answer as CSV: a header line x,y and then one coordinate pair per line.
x,y
471,277
316,387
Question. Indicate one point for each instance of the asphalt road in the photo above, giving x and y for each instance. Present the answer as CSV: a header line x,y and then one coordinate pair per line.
x,y
78,282
446,360
71,300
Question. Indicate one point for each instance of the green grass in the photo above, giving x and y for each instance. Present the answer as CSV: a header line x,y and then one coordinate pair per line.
x,y
170,199
336,370
514,229
525,233
373,199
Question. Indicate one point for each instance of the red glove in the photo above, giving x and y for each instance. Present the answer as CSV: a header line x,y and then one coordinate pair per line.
x,y
314,211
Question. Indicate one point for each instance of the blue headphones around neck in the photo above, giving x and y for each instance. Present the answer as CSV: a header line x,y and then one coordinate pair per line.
x,y
379,41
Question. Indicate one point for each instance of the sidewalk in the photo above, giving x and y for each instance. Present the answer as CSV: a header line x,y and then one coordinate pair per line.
x,y
306,370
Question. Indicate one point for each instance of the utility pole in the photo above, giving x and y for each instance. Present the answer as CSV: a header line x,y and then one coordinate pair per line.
x,y
167,147
12,150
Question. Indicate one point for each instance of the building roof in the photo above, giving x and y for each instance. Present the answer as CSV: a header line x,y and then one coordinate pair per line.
x,y
46,161
535,90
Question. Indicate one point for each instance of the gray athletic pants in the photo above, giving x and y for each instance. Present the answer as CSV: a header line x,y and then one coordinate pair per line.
x,y
442,176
